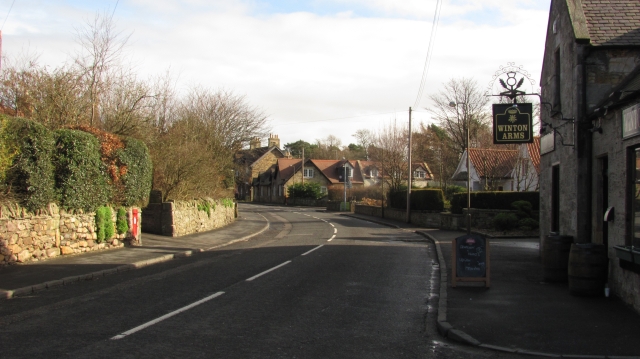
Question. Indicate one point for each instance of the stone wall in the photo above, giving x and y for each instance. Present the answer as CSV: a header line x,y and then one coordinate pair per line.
x,y
53,232
180,218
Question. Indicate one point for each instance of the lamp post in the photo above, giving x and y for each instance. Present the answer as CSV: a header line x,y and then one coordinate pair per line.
x,y
468,122
344,166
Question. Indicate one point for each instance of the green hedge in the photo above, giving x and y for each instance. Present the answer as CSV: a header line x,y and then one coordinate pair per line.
x,y
137,180
80,175
31,175
421,200
307,190
494,200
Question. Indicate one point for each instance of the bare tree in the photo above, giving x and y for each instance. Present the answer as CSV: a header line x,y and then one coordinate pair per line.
x,y
433,146
365,138
391,153
459,104
101,51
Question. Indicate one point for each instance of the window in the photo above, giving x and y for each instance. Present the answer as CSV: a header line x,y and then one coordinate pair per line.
x,y
323,190
419,174
374,173
308,173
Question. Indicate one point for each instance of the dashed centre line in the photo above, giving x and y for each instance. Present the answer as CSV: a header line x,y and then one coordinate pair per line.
x,y
166,316
267,271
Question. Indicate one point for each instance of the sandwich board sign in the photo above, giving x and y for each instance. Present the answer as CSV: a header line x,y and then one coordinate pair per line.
x,y
471,260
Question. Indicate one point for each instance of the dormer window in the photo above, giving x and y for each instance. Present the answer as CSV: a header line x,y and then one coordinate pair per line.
x,y
419,174
374,173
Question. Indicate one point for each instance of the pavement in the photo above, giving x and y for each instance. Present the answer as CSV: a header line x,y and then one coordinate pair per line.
x,y
519,313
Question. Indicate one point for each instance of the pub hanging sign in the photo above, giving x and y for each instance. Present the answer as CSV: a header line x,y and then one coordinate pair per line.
x,y
512,123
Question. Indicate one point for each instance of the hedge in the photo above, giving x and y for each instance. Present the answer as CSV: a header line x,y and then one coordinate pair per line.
x,y
138,175
421,200
80,175
307,190
31,176
493,200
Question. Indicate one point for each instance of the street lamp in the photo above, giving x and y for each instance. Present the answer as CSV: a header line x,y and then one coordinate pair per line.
x,y
453,104
344,166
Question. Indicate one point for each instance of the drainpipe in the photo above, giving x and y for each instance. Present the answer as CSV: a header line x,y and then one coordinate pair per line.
x,y
584,148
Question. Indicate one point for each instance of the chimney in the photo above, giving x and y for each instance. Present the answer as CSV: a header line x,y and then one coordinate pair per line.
x,y
274,141
255,143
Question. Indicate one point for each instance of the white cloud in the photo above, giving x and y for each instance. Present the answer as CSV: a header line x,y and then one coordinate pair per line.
x,y
300,66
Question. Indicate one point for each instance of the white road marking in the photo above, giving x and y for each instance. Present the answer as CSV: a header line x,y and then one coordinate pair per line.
x,y
332,237
335,230
169,315
331,224
318,247
267,271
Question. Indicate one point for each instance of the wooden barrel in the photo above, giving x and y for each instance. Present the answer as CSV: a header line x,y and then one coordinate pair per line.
x,y
555,258
588,268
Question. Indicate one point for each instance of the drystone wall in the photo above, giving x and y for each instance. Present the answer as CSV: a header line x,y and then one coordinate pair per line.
x,y
180,218
53,232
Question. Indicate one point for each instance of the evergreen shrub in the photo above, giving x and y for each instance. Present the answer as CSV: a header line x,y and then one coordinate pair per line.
x,y
104,224
80,175
137,175
122,225
421,200
31,175
307,190
505,221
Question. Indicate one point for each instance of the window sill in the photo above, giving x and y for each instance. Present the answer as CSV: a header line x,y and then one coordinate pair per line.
x,y
629,258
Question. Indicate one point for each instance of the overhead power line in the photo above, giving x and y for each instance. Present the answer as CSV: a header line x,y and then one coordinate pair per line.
x,y
427,60
5,19
340,118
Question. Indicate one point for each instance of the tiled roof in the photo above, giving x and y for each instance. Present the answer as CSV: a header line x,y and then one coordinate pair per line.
x,y
493,163
332,170
286,167
248,157
613,22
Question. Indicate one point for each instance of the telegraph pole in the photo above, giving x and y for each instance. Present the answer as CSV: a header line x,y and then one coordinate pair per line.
x,y
408,219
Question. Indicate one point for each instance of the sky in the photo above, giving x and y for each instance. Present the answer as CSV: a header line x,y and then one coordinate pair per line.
x,y
314,67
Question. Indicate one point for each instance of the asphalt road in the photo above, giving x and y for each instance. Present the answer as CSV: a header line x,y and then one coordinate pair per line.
x,y
315,285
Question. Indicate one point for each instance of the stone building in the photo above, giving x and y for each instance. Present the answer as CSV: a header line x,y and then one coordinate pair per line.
x,y
590,144
251,163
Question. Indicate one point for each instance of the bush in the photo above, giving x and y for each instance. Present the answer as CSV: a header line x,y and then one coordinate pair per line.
x,y
494,200
421,200
80,175
122,225
505,221
528,224
137,173
355,193
31,175
205,206
523,209
306,190
104,224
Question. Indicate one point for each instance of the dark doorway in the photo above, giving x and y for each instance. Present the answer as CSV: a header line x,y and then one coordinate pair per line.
x,y
555,198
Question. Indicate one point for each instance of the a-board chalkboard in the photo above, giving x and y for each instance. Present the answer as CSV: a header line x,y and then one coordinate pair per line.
x,y
470,259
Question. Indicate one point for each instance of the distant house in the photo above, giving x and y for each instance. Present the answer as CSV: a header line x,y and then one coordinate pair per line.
x,y
251,163
422,175
501,170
